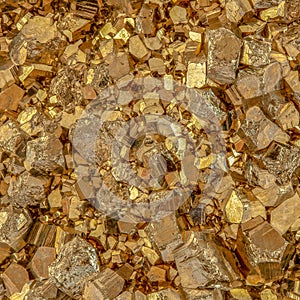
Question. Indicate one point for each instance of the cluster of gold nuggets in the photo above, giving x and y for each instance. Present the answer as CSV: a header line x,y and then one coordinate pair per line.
x,y
229,162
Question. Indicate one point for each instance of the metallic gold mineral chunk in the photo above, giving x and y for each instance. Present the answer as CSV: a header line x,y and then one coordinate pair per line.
x,y
27,190
255,52
284,215
77,262
258,132
240,294
14,277
178,15
196,75
236,9
43,257
137,48
44,154
107,285
223,55
234,209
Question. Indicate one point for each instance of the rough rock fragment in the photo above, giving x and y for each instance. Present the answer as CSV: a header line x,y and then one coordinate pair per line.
x,y
153,43
267,196
203,294
77,262
272,77
108,284
267,294
125,296
292,10
156,274
44,154
258,131
292,79
41,290
29,44
240,294
145,18
257,176
157,65
201,262
26,190
40,28
290,41
214,103
7,72
14,277
98,78
31,120
198,214
252,209
86,9
223,55
74,27
41,260
42,235
66,86
151,255
284,215
14,224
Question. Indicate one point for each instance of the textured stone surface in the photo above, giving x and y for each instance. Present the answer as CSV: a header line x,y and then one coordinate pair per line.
x,y
258,132
76,263
222,64
44,154
14,225
27,190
